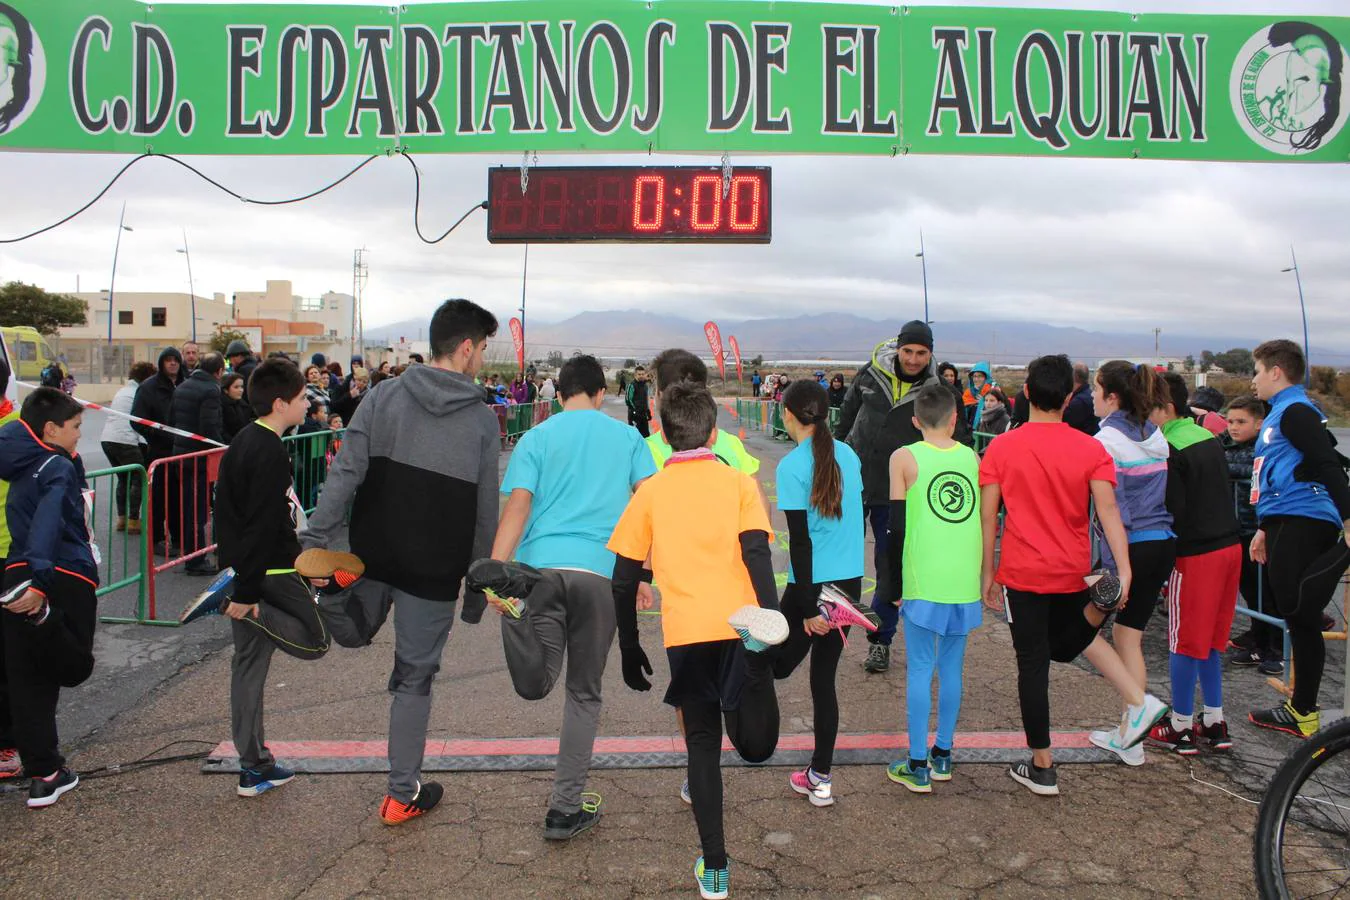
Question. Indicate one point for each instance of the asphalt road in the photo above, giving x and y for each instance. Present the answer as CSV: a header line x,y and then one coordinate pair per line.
x,y
1172,827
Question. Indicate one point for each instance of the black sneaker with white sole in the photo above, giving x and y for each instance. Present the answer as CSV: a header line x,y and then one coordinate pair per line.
x,y
565,826
1044,782
43,792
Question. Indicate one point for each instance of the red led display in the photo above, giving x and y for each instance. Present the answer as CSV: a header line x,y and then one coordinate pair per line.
x,y
651,204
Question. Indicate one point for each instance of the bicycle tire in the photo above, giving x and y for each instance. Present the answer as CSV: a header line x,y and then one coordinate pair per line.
x,y
1289,778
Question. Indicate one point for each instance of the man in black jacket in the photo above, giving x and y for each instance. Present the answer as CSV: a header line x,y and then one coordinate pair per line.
x,y
154,401
1078,414
877,419
196,408
242,361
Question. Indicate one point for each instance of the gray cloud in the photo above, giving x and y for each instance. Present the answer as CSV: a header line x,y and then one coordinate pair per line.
x,y
1112,245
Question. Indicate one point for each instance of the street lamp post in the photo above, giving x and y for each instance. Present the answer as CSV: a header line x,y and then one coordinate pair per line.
x,y
192,291
112,284
923,262
1303,309
524,278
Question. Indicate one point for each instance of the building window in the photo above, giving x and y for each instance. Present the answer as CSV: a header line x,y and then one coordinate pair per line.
x,y
159,316
124,316
333,303
311,304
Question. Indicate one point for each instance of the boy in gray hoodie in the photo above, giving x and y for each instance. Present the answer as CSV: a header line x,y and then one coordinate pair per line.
x,y
422,450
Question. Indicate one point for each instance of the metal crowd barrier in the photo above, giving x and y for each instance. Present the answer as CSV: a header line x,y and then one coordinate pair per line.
x,y
119,493
311,455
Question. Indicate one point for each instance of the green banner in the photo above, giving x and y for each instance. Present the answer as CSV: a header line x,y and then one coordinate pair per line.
x,y
669,76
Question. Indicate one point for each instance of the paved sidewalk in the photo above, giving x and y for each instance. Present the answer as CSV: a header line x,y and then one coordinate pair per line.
x,y
172,831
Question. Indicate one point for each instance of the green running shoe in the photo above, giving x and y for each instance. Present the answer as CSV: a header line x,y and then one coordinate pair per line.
x,y
940,766
713,884
917,779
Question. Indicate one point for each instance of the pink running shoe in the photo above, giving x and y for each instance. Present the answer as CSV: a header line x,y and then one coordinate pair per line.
x,y
838,610
818,790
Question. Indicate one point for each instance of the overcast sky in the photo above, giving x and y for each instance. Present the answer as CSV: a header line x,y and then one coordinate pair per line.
x,y
1101,244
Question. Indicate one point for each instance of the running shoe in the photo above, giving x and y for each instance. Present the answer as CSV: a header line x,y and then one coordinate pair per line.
x,y
915,778
1042,782
1109,739
713,884
684,793
253,782
1138,721
1271,667
815,787
503,579
1244,641
10,765
43,792
1287,719
396,812
565,826
1103,590
1216,735
759,628
340,569
1242,656
878,658
1166,735
511,606
210,602
838,609
940,766
15,592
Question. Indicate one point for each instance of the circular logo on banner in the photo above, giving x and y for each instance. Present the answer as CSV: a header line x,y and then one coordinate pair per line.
x,y
23,68
1288,87
951,497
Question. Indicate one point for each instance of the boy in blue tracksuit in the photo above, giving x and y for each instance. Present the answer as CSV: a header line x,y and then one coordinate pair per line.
x,y
48,594
1303,514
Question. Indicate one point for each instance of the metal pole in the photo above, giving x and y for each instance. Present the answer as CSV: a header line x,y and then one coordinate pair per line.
x,y
923,262
1157,360
524,279
1307,354
112,283
192,291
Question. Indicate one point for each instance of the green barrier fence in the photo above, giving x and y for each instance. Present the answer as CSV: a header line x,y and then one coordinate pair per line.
x,y
761,415
120,493
311,455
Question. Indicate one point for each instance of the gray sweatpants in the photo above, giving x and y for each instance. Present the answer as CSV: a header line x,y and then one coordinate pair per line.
x,y
288,618
571,612
421,628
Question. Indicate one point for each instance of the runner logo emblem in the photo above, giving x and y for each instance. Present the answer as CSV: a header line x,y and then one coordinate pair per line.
x,y
23,68
1287,87
951,497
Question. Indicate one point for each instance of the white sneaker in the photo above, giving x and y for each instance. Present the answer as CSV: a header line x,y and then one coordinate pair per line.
x,y
1138,721
1110,740
761,628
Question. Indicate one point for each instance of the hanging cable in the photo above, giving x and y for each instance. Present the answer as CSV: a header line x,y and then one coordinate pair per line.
x,y
417,204
417,194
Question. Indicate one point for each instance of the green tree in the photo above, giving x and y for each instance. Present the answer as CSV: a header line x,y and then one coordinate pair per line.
x,y
221,339
757,362
28,304
630,363
1188,363
1206,359
1237,361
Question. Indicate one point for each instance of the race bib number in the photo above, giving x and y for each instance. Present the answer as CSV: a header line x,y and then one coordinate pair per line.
x,y
1256,480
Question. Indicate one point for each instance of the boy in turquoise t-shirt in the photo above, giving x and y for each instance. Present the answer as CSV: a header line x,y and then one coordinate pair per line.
x,y
933,558
568,482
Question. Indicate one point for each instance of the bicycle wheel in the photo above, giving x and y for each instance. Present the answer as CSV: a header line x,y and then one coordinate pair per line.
x,y
1302,843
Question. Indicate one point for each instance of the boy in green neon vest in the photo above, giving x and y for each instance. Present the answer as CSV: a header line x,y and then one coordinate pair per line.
x,y
933,559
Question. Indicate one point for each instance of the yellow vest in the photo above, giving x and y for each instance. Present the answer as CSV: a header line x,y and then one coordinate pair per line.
x,y
4,497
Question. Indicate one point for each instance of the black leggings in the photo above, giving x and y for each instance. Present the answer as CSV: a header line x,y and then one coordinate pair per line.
x,y
1304,560
753,730
1044,627
1151,563
825,651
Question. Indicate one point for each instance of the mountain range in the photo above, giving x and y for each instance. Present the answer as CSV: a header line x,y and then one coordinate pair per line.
x,y
837,336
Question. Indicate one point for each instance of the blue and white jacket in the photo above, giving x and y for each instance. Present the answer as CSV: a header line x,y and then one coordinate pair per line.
x,y
1140,451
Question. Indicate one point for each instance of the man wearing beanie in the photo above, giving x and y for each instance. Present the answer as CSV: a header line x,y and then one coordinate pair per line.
x,y
876,420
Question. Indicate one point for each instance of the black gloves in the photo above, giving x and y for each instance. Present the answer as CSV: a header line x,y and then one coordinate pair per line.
x,y
635,667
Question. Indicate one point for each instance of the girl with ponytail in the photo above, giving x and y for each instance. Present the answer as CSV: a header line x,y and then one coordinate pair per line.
x,y
820,493
1123,397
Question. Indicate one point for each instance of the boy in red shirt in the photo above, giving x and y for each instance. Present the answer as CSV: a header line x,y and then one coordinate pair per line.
x,y
1045,473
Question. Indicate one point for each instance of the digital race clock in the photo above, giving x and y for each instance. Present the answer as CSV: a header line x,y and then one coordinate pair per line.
x,y
650,204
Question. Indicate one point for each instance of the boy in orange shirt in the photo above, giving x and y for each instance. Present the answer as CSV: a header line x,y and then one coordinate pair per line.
x,y
707,532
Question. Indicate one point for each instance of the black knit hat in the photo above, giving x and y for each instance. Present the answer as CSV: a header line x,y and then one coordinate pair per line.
x,y
916,332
